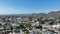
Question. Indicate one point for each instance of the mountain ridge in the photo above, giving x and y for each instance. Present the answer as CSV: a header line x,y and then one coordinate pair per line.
x,y
54,14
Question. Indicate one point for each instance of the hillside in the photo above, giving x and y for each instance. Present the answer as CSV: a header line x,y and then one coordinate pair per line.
x,y
54,14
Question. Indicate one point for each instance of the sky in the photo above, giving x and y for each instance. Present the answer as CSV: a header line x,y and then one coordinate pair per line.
x,y
28,6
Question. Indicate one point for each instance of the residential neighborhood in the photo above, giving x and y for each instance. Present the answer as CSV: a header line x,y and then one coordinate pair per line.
x,y
29,16
29,25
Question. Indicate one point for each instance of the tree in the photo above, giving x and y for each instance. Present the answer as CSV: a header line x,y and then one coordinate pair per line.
x,y
30,18
50,19
28,24
39,27
51,23
17,30
26,32
46,20
30,28
3,19
11,27
41,22
41,18
20,26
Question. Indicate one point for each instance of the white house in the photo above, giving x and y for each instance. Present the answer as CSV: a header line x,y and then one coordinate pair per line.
x,y
56,26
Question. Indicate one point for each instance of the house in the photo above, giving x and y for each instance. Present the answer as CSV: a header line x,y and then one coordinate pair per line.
x,y
19,19
26,19
35,31
1,28
56,26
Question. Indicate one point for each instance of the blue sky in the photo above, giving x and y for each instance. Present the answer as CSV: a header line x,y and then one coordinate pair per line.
x,y
28,6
